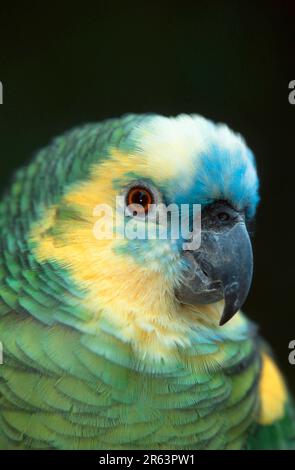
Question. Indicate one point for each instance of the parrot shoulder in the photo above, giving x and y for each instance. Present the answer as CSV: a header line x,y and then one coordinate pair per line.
x,y
276,420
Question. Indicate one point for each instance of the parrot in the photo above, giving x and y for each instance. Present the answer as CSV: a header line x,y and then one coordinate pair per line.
x,y
111,340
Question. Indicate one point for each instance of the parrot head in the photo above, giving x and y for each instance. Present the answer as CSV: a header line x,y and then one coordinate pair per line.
x,y
99,230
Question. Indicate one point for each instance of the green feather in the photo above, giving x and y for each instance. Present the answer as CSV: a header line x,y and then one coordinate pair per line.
x,y
64,385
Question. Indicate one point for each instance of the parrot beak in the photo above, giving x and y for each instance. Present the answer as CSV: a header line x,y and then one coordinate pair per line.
x,y
221,268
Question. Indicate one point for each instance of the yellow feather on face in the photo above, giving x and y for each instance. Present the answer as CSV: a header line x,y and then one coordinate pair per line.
x,y
137,299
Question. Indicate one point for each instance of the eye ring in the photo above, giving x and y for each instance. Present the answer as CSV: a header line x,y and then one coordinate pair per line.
x,y
138,199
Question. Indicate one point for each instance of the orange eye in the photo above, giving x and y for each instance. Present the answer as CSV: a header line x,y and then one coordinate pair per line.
x,y
141,198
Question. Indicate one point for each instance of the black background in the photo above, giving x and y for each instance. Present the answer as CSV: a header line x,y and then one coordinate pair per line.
x,y
63,65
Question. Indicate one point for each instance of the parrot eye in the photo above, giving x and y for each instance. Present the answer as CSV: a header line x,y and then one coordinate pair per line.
x,y
140,198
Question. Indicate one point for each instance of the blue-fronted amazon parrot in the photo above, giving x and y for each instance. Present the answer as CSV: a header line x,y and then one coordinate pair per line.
x,y
116,342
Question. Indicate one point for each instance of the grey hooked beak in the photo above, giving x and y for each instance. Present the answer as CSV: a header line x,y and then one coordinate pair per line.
x,y
221,268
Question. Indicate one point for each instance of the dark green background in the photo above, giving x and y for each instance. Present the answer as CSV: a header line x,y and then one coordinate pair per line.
x,y
230,61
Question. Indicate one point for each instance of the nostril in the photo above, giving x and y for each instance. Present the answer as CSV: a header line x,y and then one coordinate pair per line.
x,y
205,272
223,216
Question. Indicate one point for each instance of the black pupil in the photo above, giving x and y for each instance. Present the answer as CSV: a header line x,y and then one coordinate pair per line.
x,y
140,197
